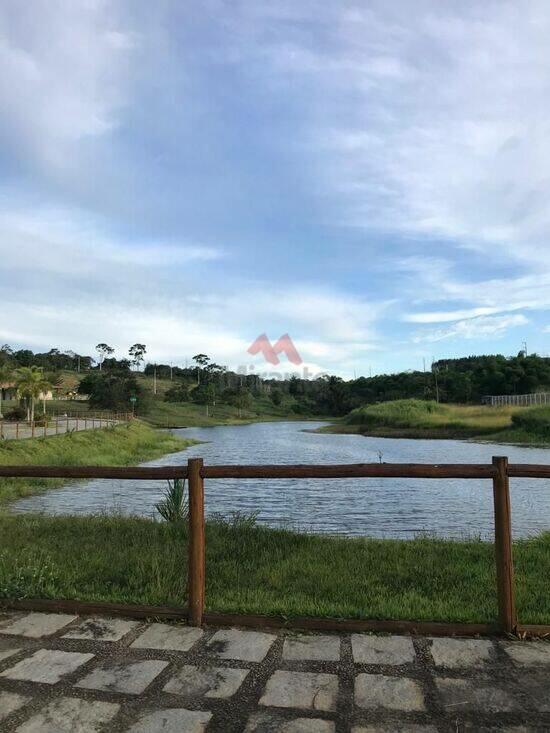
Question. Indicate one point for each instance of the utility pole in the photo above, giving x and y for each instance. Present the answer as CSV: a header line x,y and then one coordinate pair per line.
x,y
155,379
525,348
434,370
171,371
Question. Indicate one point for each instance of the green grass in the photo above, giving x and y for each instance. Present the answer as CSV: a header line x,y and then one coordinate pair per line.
x,y
190,414
428,419
118,446
252,569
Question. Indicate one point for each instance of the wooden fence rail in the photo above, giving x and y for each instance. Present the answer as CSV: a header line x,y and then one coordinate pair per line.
x,y
499,472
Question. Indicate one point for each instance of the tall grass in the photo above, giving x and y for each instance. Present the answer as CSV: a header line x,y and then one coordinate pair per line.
x,y
118,446
431,418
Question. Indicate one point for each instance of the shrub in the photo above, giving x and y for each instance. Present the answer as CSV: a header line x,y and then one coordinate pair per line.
x,y
16,413
174,507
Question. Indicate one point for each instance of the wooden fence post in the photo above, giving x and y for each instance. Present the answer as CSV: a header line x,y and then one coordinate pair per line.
x,y
503,546
196,547
32,428
17,430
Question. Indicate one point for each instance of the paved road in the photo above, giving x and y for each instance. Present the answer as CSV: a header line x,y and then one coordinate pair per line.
x,y
57,426
64,673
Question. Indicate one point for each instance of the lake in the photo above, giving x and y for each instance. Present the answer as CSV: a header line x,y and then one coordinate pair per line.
x,y
399,508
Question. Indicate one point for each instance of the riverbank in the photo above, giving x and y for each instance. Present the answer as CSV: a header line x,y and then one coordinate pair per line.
x,y
122,445
253,569
424,419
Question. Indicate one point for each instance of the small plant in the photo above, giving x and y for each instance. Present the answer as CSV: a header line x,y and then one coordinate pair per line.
x,y
174,507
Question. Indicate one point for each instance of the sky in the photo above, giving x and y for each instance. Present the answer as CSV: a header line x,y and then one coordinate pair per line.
x,y
370,178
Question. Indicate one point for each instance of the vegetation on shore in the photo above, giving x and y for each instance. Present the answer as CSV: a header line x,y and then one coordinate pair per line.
x,y
121,445
253,569
428,419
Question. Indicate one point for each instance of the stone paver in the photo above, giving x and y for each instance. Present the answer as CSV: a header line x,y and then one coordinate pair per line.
x,y
304,690
132,678
106,629
166,637
10,702
246,646
393,693
392,650
36,625
71,715
533,652
461,694
312,648
273,723
455,653
5,653
59,673
208,681
47,666
395,728
174,720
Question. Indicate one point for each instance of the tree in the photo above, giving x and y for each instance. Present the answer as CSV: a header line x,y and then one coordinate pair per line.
x,y
31,383
112,391
5,374
178,393
137,354
242,400
103,350
201,360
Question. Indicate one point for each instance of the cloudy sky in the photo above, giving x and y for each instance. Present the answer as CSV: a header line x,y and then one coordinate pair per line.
x,y
372,178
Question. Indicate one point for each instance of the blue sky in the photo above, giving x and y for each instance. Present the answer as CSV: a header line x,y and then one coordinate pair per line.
x,y
370,177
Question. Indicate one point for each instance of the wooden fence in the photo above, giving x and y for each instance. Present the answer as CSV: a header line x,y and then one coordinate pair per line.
x,y
58,424
499,472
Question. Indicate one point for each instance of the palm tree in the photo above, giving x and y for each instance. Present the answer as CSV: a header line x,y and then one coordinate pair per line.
x,y
5,374
31,383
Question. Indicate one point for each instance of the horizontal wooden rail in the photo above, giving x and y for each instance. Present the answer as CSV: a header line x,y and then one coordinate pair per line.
x,y
355,470
120,472
528,470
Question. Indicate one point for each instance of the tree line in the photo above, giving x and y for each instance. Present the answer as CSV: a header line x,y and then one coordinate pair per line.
x,y
110,383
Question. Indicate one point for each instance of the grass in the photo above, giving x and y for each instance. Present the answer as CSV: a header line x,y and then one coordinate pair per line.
x,y
253,569
117,446
427,419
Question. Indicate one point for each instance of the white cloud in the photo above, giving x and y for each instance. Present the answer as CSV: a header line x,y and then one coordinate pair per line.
x,y
64,76
474,328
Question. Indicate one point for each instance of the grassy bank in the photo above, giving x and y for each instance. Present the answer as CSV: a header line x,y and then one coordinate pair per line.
x,y
189,414
428,419
258,570
118,446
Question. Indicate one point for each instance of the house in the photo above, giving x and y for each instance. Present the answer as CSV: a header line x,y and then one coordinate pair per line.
x,y
9,392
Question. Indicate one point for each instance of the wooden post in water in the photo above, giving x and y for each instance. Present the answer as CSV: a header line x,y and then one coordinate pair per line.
x,y
503,546
196,548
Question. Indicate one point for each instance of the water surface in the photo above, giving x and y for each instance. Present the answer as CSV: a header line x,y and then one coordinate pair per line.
x,y
375,507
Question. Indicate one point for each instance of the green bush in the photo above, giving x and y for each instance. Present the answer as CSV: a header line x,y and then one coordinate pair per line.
x,y
534,420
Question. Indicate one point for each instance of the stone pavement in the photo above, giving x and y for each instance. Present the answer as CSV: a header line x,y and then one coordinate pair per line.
x,y
61,673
